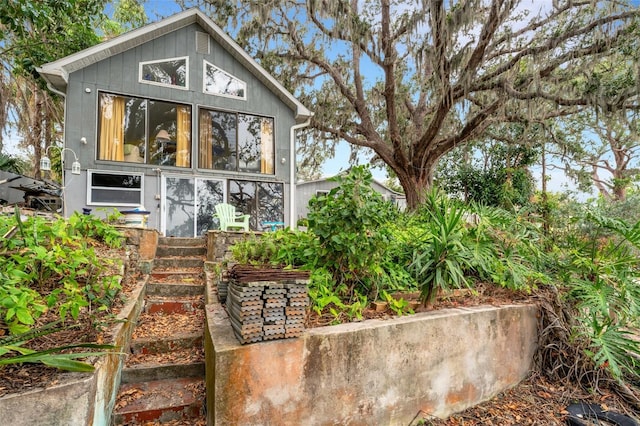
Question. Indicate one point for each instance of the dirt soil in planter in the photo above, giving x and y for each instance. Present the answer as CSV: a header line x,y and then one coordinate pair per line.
x,y
481,295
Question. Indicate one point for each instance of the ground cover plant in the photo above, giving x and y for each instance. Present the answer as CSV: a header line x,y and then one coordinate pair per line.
x,y
51,273
582,271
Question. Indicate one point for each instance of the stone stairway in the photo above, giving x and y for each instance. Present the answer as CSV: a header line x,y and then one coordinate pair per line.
x,y
163,377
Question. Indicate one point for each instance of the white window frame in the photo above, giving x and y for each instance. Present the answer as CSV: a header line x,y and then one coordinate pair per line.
x,y
90,201
206,63
157,61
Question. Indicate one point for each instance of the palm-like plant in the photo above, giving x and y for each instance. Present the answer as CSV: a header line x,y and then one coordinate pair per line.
x,y
442,254
13,351
12,164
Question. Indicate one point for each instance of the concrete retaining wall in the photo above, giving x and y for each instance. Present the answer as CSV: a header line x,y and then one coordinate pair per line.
x,y
376,372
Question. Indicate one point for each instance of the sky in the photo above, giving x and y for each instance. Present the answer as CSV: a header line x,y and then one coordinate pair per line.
x,y
156,9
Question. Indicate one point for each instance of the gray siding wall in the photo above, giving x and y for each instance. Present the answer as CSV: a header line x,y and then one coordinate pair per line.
x,y
120,74
306,190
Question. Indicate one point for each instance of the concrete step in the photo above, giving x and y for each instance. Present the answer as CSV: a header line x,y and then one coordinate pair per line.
x,y
175,276
181,242
173,305
184,251
196,288
178,262
160,401
150,372
155,344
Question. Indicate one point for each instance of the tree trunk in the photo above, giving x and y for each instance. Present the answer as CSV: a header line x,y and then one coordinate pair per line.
x,y
415,187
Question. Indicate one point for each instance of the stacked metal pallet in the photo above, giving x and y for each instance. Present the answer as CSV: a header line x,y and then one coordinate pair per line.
x,y
266,310
296,309
244,306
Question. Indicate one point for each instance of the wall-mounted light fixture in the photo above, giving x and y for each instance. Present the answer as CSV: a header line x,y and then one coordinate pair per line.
x,y
45,162
83,140
45,165
283,160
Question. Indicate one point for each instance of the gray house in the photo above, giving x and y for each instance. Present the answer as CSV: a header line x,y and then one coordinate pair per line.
x,y
306,190
175,117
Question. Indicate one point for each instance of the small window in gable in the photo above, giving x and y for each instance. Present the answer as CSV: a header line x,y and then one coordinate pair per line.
x,y
172,72
218,82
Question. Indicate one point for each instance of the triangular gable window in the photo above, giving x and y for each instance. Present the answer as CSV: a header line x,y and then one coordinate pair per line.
x,y
172,72
221,83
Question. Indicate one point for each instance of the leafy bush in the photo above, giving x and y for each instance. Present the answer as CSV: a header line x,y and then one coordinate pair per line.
x,y
284,248
53,266
508,250
602,288
350,225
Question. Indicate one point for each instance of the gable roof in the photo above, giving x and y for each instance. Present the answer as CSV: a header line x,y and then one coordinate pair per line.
x,y
57,73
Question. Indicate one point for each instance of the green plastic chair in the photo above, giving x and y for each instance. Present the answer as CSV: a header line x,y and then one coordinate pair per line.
x,y
228,217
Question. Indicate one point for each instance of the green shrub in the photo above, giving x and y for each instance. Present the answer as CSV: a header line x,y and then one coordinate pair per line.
x,y
601,278
53,266
350,223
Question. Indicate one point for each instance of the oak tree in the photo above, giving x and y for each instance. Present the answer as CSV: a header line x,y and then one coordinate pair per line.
x,y
412,80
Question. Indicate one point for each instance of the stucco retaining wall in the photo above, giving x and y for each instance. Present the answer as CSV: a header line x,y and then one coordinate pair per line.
x,y
375,372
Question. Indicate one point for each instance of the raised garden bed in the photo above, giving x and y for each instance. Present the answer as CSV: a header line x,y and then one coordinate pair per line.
x,y
52,397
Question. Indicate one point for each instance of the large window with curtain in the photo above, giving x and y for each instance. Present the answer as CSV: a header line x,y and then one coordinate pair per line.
x,y
236,142
138,130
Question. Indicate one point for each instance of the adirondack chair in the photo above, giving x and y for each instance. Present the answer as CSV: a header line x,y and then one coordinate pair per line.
x,y
228,217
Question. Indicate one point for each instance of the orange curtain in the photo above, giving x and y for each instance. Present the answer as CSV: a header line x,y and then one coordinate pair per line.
x,y
183,142
266,146
111,142
205,160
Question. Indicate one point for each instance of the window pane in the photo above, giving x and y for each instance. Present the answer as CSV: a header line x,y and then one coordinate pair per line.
x,y
121,128
116,181
113,196
172,73
218,135
210,193
264,201
255,144
242,195
271,202
218,82
169,134
180,207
